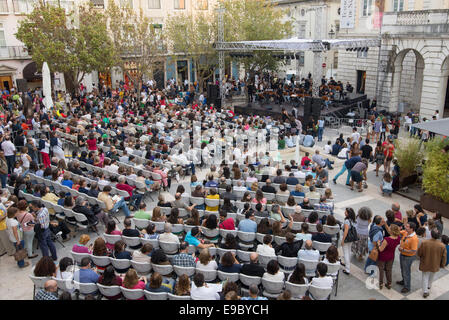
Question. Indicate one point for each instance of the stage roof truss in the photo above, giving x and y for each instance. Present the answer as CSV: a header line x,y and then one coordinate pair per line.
x,y
297,44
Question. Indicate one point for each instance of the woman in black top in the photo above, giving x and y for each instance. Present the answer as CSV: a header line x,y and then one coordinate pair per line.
x,y
159,257
230,243
121,253
264,226
227,206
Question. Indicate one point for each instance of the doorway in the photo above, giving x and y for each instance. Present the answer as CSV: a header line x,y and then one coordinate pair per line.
x,y
361,78
182,70
446,101
159,75
5,83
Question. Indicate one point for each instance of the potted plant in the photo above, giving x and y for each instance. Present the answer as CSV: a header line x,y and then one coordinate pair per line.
x,y
409,156
436,177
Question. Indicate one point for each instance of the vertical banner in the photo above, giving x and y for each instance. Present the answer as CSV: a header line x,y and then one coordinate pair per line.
x,y
347,14
378,14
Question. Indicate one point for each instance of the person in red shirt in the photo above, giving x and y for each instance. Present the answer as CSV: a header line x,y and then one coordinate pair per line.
x,y
303,159
134,198
388,153
226,223
92,142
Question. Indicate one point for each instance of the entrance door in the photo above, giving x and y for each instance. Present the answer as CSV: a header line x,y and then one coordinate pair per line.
x,y
182,70
6,83
361,77
158,75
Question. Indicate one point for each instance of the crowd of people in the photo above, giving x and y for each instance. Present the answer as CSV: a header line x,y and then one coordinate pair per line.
x,y
106,142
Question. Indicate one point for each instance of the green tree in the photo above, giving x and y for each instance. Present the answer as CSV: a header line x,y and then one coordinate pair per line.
x,y
137,42
251,20
436,170
75,44
194,35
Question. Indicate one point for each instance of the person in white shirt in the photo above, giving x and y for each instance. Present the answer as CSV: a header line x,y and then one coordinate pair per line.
x,y
239,186
355,135
266,248
204,291
251,178
167,236
309,253
10,153
205,261
237,154
328,147
273,273
322,281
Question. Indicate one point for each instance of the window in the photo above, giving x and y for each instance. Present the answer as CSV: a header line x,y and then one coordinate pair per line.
x,y
336,60
398,5
180,4
2,36
126,3
202,4
301,58
302,30
23,6
154,4
4,6
362,54
367,7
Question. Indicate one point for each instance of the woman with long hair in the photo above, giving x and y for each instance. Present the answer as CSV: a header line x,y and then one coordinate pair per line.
x,y
111,229
363,219
132,281
109,278
346,242
298,276
194,219
379,157
182,287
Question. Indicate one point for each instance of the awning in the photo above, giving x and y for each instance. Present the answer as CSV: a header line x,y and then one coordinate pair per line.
x,y
436,126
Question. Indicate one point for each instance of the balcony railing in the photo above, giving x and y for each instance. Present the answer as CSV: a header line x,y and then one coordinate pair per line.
x,y
98,3
14,52
418,17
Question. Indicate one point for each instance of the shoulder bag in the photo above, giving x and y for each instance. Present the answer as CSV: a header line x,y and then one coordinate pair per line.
x,y
374,254
352,233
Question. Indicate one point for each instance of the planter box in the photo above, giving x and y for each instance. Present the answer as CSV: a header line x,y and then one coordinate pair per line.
x,y
409,180
431,203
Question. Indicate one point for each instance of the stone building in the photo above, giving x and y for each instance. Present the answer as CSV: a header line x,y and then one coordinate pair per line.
x,y
412,69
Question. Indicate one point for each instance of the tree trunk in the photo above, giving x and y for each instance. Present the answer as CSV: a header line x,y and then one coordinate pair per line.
x,y
70,84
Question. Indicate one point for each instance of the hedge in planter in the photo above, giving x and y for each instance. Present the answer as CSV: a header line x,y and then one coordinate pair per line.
x,y
436,170
409,156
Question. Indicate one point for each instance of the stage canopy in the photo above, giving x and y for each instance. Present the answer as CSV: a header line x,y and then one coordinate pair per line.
x,y
437,126
294,44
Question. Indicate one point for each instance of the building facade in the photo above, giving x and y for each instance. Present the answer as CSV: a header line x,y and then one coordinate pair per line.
x,y
304,14
411,71
16,67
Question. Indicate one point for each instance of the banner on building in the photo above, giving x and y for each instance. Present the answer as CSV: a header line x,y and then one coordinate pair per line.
x,y
378,14
347,14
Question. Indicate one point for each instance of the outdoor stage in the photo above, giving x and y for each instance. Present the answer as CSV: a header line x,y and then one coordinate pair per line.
x,y
337,109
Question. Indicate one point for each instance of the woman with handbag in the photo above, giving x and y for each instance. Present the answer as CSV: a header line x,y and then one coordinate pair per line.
x,y
349,236
385,258
26,221
15,236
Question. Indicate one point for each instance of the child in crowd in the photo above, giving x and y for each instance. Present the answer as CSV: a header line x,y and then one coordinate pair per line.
x,y
387,185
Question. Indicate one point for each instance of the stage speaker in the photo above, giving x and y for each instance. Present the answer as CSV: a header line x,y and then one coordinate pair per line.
x,y
316,108
22,85
212,91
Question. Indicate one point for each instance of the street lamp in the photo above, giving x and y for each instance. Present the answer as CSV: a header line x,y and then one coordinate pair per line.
x,y
332,32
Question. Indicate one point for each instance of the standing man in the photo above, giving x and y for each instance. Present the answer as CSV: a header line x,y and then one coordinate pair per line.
x,y
432,256
320,129
10,153
3,169
44,234
408,249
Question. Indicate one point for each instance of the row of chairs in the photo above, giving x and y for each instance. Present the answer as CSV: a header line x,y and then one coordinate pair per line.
x,y
80,220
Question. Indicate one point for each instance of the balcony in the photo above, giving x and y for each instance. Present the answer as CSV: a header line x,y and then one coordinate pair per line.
x,y
422,22
14,52
99,4
4,7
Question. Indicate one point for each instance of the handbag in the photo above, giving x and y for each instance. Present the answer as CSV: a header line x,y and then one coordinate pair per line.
x,y
374,254
20,254
352,234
